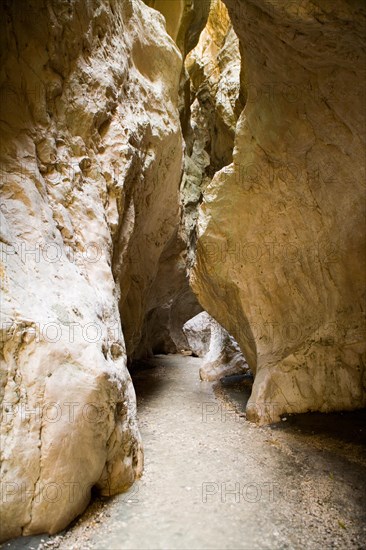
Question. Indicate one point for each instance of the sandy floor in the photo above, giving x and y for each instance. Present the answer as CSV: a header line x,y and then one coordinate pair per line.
x,y
214,481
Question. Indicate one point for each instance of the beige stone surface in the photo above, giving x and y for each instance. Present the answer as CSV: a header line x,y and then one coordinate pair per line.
x,y
220,352
208,98
98,223
91,149
184,19
170,301
224,357
281,240
198,333
214,68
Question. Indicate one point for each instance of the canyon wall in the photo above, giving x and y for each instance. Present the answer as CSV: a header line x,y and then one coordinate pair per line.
x,y
210,103
214,68
120,169
281,231
184,19
91,162
171,301
221,355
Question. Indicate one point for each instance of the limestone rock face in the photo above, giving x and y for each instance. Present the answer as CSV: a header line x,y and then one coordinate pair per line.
x,y
281,242
198,333
170,303
224,357
214,70
185,20
209,112
91,148
220,352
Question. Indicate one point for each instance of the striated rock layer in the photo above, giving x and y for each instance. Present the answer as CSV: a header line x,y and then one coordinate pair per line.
x,y
91,160
281,245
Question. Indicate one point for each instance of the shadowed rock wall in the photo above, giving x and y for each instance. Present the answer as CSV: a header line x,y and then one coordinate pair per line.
x,y
91,149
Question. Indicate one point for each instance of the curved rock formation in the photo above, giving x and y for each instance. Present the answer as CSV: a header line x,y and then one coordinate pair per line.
x,y
170,301
221,354
214,70
198,333
280,254
91,149
99,214
185,20
213,76
170,304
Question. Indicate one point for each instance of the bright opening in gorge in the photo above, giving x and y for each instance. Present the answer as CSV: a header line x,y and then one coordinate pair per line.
x,y
183,261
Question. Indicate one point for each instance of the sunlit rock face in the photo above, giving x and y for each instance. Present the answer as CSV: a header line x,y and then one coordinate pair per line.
x,y
91,160
214,68
281,243
198,333
185,19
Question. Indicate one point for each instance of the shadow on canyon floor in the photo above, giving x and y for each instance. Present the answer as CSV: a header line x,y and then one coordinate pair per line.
x,y
346,427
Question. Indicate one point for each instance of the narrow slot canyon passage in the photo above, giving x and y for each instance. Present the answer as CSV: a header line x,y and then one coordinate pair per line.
x,y
182,269
212,480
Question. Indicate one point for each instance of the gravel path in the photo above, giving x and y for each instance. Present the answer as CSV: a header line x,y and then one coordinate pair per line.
x,y
215,481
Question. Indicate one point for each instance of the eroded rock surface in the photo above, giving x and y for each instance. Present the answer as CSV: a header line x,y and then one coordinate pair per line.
x,y
214,68
91,149
220,352
170,301
185,20
198,333
96,238
280,254
210,103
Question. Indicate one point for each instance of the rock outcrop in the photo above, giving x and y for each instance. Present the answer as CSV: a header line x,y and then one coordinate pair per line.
x,y
170,304
91,161
210,109
281,242
214,68
198,333
220,352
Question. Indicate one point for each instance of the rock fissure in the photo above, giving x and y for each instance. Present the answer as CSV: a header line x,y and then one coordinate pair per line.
x,y
37,481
